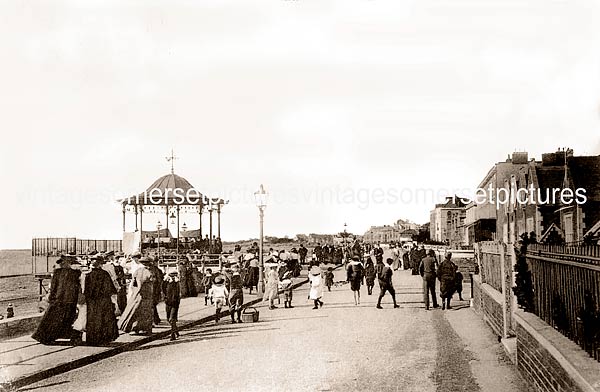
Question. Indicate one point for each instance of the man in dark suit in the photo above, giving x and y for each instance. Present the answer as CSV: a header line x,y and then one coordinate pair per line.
x,y
427,269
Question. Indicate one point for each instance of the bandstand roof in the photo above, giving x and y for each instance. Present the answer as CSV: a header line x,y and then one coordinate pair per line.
x,y
171,182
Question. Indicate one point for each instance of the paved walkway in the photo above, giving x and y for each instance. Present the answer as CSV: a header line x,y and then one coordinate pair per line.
x,y
23,360
340,347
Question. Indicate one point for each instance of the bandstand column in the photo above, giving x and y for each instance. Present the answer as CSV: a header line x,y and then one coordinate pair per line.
x,y
142,219
136,217
219,221
177,234
210,235
123,218
200,207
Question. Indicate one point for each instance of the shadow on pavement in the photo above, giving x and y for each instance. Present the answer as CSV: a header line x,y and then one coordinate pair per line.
x,y
45,386
210,333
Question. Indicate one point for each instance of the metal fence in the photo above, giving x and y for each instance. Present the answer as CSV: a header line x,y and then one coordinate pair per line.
x,y
491,263
56,246
45,251
566,284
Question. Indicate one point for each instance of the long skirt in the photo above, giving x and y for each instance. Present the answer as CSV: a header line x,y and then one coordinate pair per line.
x,y
101,327
355,284
56,323
138,315
447,287
252,280
271,292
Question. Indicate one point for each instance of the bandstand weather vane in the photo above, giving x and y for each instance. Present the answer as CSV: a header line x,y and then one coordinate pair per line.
x,y
172,160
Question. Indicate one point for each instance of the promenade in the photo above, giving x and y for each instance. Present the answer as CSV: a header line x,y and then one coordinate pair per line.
x,y
23,360
340,347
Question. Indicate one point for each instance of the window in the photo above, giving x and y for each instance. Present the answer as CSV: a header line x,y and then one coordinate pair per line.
x,y
568,227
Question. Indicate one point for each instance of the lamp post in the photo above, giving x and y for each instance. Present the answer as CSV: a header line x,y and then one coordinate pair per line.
x,y
345,242
158,227
184,227
260,197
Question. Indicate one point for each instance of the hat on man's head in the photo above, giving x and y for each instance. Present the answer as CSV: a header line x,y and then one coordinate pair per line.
x,y
111,253
136,254
98,258
146,260
64,258
219,279
356,258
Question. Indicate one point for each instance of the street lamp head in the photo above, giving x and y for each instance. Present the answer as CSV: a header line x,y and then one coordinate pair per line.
x,y
184,227
158,225
260,197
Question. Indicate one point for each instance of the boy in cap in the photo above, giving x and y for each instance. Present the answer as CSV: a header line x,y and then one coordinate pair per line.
x,y
218,293
236,294
170,288
329,278
207,282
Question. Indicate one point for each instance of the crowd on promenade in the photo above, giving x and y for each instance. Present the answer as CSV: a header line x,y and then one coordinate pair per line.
x,y
115,293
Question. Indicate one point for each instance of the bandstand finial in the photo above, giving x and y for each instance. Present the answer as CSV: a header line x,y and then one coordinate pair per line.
x,y
172,160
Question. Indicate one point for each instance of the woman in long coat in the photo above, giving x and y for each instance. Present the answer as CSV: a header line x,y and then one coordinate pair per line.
x,y
316,286
101,326
62,304
355,276
447,277
253,271
138,314
370,274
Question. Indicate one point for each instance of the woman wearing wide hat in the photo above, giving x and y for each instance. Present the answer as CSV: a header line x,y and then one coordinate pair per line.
x,y
101,325
355,276
62,304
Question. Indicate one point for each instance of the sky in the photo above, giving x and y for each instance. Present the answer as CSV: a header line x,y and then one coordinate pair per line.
x,y
349,111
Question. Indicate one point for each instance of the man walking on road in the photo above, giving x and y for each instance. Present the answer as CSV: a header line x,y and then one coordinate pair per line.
x,y
427,269
385,283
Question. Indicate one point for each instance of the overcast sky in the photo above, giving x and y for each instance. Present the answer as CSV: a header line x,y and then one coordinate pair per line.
x,y
329,104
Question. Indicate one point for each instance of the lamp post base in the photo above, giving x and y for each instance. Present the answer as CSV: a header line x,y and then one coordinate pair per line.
x,y
260,288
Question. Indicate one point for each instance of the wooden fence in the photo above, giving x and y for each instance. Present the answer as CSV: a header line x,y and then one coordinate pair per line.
x,y
566,283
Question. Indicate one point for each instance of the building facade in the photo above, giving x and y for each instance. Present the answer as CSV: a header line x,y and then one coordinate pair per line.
x,y
447,220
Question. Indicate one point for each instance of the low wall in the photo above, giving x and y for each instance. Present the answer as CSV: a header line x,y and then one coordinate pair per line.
x,y
487,301
19,326
551,362
477,300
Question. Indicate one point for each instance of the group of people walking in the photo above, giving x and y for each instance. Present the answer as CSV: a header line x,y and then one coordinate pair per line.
x,y
100,302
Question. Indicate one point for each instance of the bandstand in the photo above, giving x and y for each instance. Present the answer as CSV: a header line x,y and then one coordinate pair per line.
x,y
173,200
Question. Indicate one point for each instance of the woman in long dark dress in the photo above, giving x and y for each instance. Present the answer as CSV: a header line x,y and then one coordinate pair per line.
x,y
61,313
101,326
355,275
138,314
252,280
447,277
